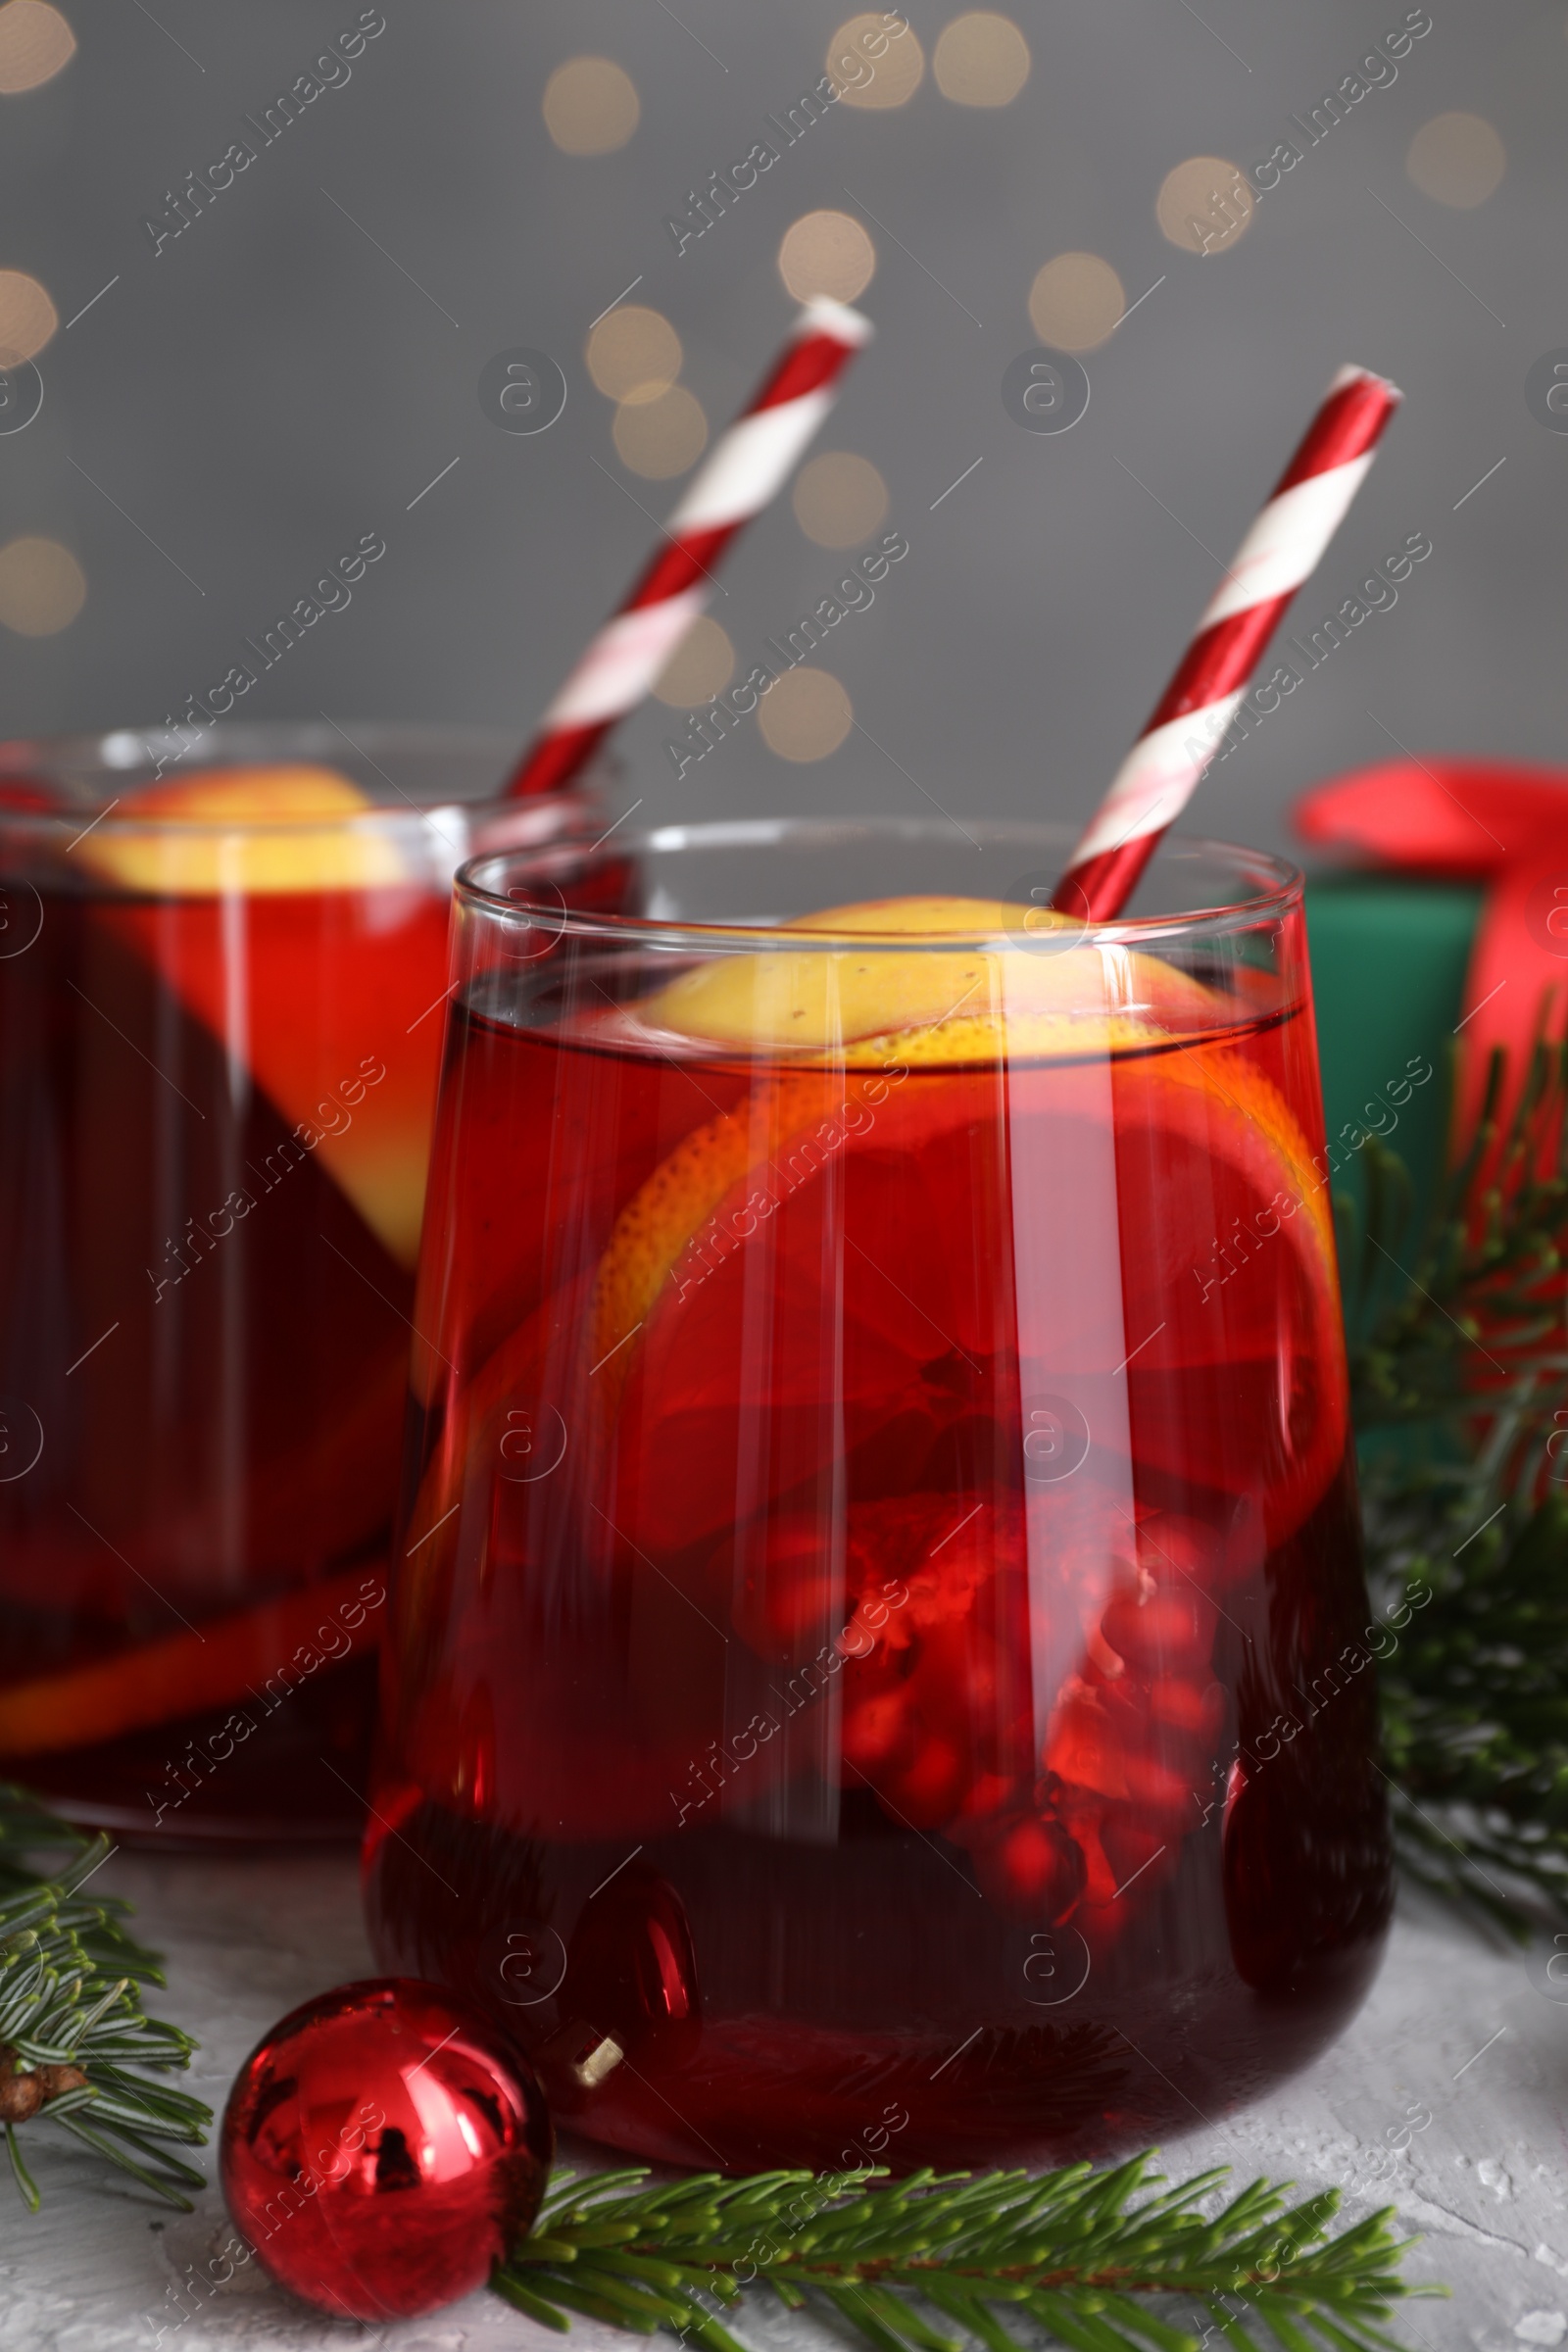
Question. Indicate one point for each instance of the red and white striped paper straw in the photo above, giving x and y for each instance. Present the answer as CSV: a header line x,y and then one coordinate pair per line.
x,y
1162,769
746,470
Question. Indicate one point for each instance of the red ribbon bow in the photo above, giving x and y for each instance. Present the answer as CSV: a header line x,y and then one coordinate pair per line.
x,y
1470,820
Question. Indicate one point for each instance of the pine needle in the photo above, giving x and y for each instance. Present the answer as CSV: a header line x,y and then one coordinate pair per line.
x,y
70,1996
1076,2252
1459,1376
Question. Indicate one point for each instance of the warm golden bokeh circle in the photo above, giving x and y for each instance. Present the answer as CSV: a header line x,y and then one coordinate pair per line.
x,y
662,436
981,59
871,66
42,587
634,354
701,667
1456,159
36,41
839,499
804,716
1204,205
27,317
591,106
826,253
1075,301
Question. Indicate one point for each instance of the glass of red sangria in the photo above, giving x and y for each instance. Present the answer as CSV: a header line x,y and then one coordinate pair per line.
x,y
865,1676
222,965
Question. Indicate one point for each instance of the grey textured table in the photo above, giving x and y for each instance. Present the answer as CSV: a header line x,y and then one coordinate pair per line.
x,y
1453,2032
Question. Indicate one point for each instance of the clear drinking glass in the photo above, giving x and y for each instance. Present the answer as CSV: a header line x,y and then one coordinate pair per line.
x,y
866,1675
219,1042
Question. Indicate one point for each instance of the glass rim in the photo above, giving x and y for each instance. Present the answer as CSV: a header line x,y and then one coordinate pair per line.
x,y
1279,888
240,742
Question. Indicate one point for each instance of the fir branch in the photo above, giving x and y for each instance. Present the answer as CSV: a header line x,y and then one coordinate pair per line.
x,y
1476,1325
1076,2252
74,2037
1459,1382
1475,1716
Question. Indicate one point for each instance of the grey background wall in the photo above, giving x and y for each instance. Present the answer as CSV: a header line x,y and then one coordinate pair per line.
x,y
242,404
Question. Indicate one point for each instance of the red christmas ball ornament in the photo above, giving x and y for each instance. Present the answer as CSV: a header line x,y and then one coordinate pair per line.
x,y
382,2148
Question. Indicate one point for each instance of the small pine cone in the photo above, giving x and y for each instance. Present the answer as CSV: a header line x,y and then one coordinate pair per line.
x,y
58,2079
21,2093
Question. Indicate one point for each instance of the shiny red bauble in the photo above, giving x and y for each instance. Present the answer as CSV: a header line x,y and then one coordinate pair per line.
x,y
382,2148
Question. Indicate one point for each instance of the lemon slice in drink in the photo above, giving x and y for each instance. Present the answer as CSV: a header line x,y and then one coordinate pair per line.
x,y
883,1064
251,830
286,874
849,1009
1013,978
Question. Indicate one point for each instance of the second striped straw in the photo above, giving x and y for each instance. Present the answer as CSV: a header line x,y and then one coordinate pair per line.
x,y
1164,767
746,470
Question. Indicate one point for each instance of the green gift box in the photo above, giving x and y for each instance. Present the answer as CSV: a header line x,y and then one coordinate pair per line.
x,y
1389,959
1453,911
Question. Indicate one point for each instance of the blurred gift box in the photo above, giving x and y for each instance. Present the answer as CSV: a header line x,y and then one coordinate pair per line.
x,y
1446,924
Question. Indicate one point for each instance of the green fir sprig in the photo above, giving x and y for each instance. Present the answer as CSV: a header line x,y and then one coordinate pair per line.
x,y
75,2041
1475,1705
922,2264
1459,1378
1475,1322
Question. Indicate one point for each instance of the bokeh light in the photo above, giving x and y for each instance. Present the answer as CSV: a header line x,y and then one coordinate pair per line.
x,y
871,66
826,253
981,60
27,317
804,716
701,667
1075,301
591,106
36,41
42,587
634,354
839,499
1456,159
660,437
1204,205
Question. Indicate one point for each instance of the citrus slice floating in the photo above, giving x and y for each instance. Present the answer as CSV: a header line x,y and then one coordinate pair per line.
x,y
803,1261
249,829
283,917
864,1011
1013,969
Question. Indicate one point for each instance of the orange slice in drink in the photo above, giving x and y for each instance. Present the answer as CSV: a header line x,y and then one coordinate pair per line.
x,y
249,830
863,1013
893,1215
283,916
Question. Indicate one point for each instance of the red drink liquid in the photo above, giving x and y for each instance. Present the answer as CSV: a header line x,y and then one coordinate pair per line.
x,y
878,1674
231,1440
220,1005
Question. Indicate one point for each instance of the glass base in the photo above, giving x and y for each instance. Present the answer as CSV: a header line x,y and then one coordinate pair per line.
x,y
297,1778
861,2006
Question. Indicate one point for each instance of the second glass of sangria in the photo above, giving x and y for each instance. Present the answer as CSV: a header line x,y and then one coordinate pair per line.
x,y
223,970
